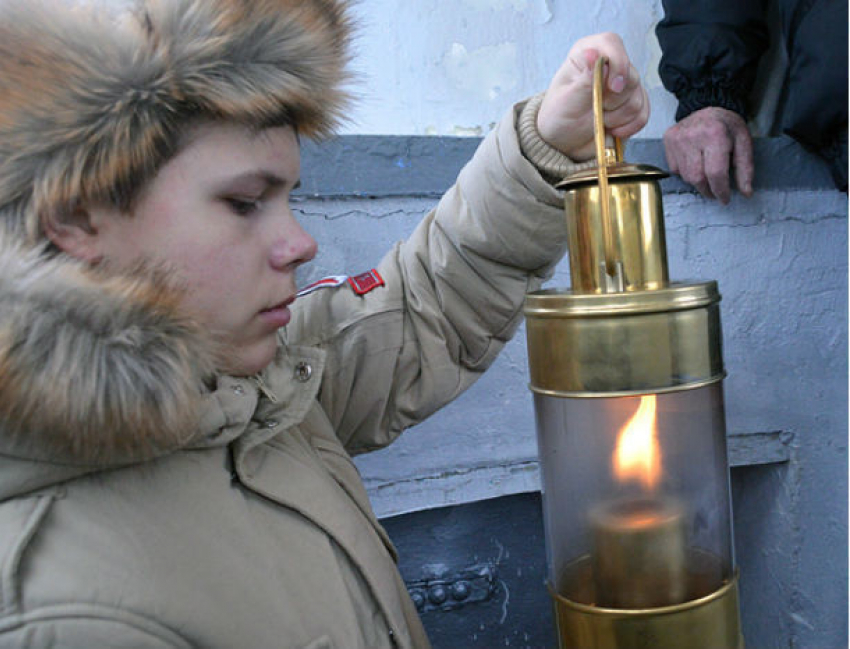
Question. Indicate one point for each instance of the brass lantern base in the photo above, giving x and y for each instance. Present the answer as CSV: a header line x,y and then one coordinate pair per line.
x,y
710,622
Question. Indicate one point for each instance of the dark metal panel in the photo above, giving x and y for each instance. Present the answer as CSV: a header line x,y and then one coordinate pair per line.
x,y
500,542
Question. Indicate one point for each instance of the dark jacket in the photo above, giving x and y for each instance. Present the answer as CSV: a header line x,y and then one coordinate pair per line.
x,y
711,50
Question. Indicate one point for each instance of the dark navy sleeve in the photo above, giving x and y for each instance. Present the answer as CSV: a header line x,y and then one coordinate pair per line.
x,y
710,51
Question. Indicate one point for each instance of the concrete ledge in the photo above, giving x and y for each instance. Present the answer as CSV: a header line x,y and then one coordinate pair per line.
x,y
469,484
384,166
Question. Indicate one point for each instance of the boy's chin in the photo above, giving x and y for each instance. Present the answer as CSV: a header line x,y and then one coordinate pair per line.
x,y
253,360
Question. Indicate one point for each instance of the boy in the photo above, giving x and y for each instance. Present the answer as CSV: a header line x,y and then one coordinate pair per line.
x,y
175,428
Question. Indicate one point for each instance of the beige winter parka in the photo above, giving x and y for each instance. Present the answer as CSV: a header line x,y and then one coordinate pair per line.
x,y
257,531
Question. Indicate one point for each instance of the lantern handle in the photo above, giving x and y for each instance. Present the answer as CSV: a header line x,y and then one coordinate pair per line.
x,y
602,161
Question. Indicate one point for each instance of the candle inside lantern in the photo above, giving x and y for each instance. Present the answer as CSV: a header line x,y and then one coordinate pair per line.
x,y
640,553
639,544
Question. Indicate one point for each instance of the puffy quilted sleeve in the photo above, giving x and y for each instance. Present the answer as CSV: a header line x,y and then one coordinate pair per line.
x,y
453,296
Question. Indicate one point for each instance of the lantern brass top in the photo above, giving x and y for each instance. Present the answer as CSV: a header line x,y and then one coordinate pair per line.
x,y
623,328
615,220
616,172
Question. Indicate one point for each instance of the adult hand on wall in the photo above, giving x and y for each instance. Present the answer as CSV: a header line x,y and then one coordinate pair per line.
x,y
565,119
702,146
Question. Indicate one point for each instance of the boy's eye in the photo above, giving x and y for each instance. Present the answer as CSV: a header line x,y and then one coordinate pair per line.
x,y
242,206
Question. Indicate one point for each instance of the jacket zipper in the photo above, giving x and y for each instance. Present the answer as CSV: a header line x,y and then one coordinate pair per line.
x,y
264,389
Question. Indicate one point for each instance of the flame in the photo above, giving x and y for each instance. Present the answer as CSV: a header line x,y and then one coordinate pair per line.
x,y
638,453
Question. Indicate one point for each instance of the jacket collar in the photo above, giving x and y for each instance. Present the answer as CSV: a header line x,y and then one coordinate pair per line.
x,y
96,368
101,370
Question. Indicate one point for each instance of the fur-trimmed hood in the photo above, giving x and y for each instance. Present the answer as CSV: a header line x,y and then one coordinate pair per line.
x,y
99,369
92,101
95,370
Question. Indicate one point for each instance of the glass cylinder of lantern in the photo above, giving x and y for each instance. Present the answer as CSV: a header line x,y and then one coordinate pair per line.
x,y
632,443
636,497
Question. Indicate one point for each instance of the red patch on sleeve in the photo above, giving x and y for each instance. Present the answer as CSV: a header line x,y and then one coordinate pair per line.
x,y
365,282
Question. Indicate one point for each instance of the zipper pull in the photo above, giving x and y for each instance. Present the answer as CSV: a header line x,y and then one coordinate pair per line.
x,y
264,389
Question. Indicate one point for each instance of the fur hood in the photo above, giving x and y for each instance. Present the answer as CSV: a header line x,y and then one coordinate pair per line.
x,y
92,100
99,369
95,369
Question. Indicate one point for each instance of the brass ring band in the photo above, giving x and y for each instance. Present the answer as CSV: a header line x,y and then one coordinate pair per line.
x,y
695,385
609,344
710,622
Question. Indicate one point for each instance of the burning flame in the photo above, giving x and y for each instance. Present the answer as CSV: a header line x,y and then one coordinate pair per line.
x,y
638,454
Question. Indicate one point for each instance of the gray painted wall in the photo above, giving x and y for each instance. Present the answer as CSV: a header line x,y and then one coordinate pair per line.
x,y
781,262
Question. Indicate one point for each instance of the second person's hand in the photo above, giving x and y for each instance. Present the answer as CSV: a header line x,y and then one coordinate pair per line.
x,y
704,145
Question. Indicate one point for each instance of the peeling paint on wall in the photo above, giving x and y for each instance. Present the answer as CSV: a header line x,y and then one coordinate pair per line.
x,y
651,78
484,73
467,131
439,64
543,8
496,5
547,5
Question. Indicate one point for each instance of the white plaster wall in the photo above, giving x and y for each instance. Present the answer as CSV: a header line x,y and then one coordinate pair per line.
x,y
780,260
453,67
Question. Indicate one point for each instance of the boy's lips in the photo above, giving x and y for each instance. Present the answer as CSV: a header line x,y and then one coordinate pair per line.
x,y
278,315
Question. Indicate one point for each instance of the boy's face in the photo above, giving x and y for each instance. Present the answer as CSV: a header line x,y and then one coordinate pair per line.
x,y
218,214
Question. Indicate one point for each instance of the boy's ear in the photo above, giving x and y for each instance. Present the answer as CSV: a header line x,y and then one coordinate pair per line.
x,y
75,233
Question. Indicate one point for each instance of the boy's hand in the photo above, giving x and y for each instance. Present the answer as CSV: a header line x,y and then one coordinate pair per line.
x,y
565,119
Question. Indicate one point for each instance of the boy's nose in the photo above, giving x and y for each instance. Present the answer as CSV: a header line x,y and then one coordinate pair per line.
x,y
293,249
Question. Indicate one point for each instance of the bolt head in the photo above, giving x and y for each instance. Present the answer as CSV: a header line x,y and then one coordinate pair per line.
x,y
461,590
437,595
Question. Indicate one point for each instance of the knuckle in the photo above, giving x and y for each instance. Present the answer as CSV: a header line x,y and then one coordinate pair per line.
x,y
714,130
716,176
695,176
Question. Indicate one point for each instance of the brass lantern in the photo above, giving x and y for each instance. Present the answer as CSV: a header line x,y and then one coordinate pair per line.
x,y
626,370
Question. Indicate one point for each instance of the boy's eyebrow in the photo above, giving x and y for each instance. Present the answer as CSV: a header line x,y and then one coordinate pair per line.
x,y
266,177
